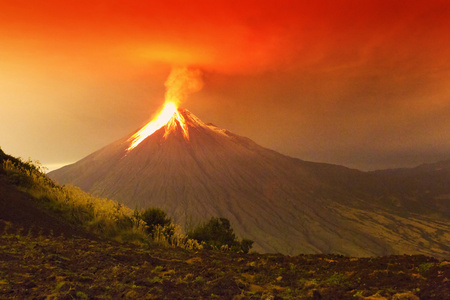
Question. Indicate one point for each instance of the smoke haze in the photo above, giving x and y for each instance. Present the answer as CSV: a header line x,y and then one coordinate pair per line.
x,y
181,82
360,83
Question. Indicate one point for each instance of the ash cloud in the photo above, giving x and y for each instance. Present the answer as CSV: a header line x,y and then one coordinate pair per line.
x,y
181,82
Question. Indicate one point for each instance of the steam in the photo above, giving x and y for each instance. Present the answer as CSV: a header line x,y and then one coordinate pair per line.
x,y
181,82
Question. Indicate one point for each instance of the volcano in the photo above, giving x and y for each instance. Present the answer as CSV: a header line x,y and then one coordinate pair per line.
x,y
195,171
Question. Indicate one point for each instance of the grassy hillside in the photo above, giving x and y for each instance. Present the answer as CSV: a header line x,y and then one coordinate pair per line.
x,y
32,194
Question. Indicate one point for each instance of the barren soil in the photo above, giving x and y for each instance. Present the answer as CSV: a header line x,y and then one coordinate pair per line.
x,y
37,267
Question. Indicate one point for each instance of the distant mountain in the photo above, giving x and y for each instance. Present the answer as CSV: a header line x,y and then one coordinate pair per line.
x,y
426,187
195,170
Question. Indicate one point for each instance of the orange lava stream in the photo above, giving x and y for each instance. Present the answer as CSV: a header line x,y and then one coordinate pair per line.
x,y
169,117
176,120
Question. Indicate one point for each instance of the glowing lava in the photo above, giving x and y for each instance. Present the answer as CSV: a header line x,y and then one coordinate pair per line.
x,y
169,117
181,82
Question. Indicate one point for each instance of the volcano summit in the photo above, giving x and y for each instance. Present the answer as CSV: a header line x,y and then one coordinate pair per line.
x,y
195,171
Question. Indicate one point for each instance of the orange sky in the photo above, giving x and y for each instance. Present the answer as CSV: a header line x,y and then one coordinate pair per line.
x,y
360,83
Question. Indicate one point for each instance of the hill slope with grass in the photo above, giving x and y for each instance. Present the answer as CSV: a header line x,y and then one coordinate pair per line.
x,y
32,201
20,208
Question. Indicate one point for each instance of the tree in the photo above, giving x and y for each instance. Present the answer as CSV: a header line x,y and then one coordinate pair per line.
x,y
246,245
155,217
217,232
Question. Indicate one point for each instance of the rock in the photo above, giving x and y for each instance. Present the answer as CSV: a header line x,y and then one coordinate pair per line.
x,y
405,296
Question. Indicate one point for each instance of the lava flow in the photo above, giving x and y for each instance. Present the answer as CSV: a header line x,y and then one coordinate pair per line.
x,y
180,83
169,117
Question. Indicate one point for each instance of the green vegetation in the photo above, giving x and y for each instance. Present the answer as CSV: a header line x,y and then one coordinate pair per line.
x,y
98,215
161,229
218,234
155,217
424,267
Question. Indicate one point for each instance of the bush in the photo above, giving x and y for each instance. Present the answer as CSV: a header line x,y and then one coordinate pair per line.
x,y
246,245
218,234
154,217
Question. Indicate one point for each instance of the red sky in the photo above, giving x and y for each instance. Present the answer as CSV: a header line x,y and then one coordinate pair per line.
x,y
360,83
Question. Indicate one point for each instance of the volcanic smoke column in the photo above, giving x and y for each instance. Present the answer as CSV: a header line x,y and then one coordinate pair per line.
x,y
181,82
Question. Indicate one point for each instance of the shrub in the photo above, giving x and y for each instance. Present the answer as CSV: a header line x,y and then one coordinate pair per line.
x,y
218,234
154,217
246,245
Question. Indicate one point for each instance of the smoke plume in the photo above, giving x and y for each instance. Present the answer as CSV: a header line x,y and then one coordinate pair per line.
x,y
181,82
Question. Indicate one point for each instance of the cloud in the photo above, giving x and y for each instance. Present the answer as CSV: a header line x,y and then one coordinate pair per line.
x,y
229,36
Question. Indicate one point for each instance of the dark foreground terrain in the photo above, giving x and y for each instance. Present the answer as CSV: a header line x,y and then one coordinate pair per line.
x,y
56,267
50,250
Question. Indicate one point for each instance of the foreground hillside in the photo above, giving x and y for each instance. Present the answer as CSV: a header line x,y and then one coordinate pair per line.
x,y
19,207
50,267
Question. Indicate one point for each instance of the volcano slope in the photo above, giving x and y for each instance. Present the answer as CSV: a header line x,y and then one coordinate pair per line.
x,y
284,204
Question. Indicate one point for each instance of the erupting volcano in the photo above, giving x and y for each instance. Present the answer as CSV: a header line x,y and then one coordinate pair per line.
x,y
195,171
181,82
168,117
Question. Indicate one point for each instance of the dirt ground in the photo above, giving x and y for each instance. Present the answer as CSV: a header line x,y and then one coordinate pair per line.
x,y
59,267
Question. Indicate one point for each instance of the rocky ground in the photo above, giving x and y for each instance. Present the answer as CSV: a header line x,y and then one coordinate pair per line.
x,y
58,267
